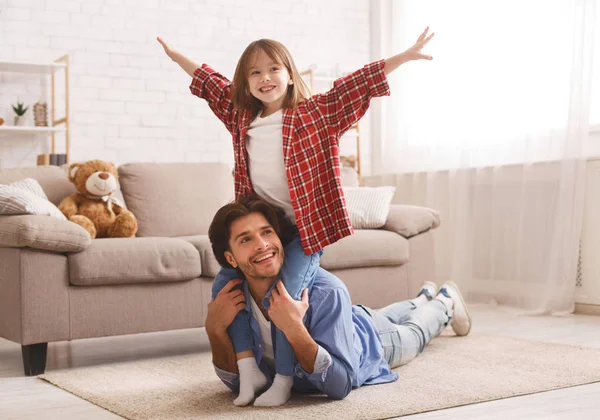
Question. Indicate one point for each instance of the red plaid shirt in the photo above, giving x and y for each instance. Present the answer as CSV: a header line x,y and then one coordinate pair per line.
x,y
311,135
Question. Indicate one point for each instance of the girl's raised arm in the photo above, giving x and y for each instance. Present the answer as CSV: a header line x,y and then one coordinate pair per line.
x,y
185,63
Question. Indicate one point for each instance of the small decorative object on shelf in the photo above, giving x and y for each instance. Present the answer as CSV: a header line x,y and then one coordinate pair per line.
x,y
20,111
43,159
40,114
348,161
57,159
1,121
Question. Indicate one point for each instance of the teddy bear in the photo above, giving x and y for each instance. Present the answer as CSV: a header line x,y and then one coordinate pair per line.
x,y
93,207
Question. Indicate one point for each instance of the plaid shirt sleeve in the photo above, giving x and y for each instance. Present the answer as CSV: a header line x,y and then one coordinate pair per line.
x,y
349,99
216,90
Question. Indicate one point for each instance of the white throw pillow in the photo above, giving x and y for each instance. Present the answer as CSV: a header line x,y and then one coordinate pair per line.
x,y
368,207
26,197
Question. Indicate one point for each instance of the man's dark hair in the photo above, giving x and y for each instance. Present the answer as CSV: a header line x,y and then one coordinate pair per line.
x,y
220,227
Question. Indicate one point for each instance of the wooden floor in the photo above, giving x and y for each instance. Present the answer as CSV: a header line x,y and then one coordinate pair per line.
x,y
30,398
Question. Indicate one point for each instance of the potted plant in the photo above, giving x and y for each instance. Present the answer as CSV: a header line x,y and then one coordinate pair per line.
x,y
20,111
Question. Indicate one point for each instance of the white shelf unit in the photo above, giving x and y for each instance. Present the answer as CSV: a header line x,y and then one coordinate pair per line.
x,y
31,68
27,130
58,125
310,77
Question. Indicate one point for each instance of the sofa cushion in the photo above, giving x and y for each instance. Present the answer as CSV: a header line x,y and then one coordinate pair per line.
x,y
366,248
175,199
134,260
43,232
210,265
408,221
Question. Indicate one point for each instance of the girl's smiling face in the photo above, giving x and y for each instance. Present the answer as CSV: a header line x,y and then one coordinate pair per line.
x,y
268,82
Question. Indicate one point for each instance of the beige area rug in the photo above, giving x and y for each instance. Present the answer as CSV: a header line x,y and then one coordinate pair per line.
x,y
451,372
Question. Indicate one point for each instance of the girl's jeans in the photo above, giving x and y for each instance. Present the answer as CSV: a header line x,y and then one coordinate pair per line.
x,y
298,273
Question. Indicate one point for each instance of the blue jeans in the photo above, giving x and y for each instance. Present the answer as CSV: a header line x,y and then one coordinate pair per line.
x,y
405,328
298,273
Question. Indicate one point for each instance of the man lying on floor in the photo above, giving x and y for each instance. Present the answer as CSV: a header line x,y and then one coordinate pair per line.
x,y
338,346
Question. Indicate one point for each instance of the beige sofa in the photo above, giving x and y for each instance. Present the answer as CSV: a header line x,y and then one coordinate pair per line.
x,y
57,284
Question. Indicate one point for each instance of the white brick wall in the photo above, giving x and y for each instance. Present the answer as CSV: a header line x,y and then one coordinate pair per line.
x,y
129,101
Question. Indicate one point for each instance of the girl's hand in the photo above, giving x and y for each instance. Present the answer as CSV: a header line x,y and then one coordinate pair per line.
x,y
414,52
168,50
224,308
284,311
185,63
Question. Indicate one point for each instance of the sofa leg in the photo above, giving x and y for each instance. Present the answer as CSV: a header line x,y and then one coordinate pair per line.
x,y
34,358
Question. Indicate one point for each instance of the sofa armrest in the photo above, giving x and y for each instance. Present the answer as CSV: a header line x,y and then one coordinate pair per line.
x,y
409,220
42,232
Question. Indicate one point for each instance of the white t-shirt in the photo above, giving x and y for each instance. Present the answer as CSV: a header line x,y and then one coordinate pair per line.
x,y
265,333
264,143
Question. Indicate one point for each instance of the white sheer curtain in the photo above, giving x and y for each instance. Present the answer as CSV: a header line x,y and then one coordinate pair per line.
x,y
492,133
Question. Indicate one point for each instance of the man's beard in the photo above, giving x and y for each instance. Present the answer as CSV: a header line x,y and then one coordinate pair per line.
x,y
250,270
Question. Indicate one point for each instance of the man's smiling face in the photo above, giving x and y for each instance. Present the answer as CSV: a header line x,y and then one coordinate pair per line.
x,y
255,247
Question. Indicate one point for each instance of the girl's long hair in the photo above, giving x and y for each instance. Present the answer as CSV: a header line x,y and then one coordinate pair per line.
x,y
241,96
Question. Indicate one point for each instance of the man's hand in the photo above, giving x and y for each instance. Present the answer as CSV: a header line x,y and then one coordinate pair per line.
x,y
285,312
224,307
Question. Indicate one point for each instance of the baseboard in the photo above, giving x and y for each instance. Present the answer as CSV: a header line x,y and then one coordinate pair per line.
x,y
586,309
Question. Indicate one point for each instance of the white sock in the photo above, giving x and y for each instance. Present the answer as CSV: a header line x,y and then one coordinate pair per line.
x,y
251,381
278,393
446,301
420,300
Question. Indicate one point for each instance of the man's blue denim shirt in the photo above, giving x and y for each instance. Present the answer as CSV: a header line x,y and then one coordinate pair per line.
x,y
349,354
